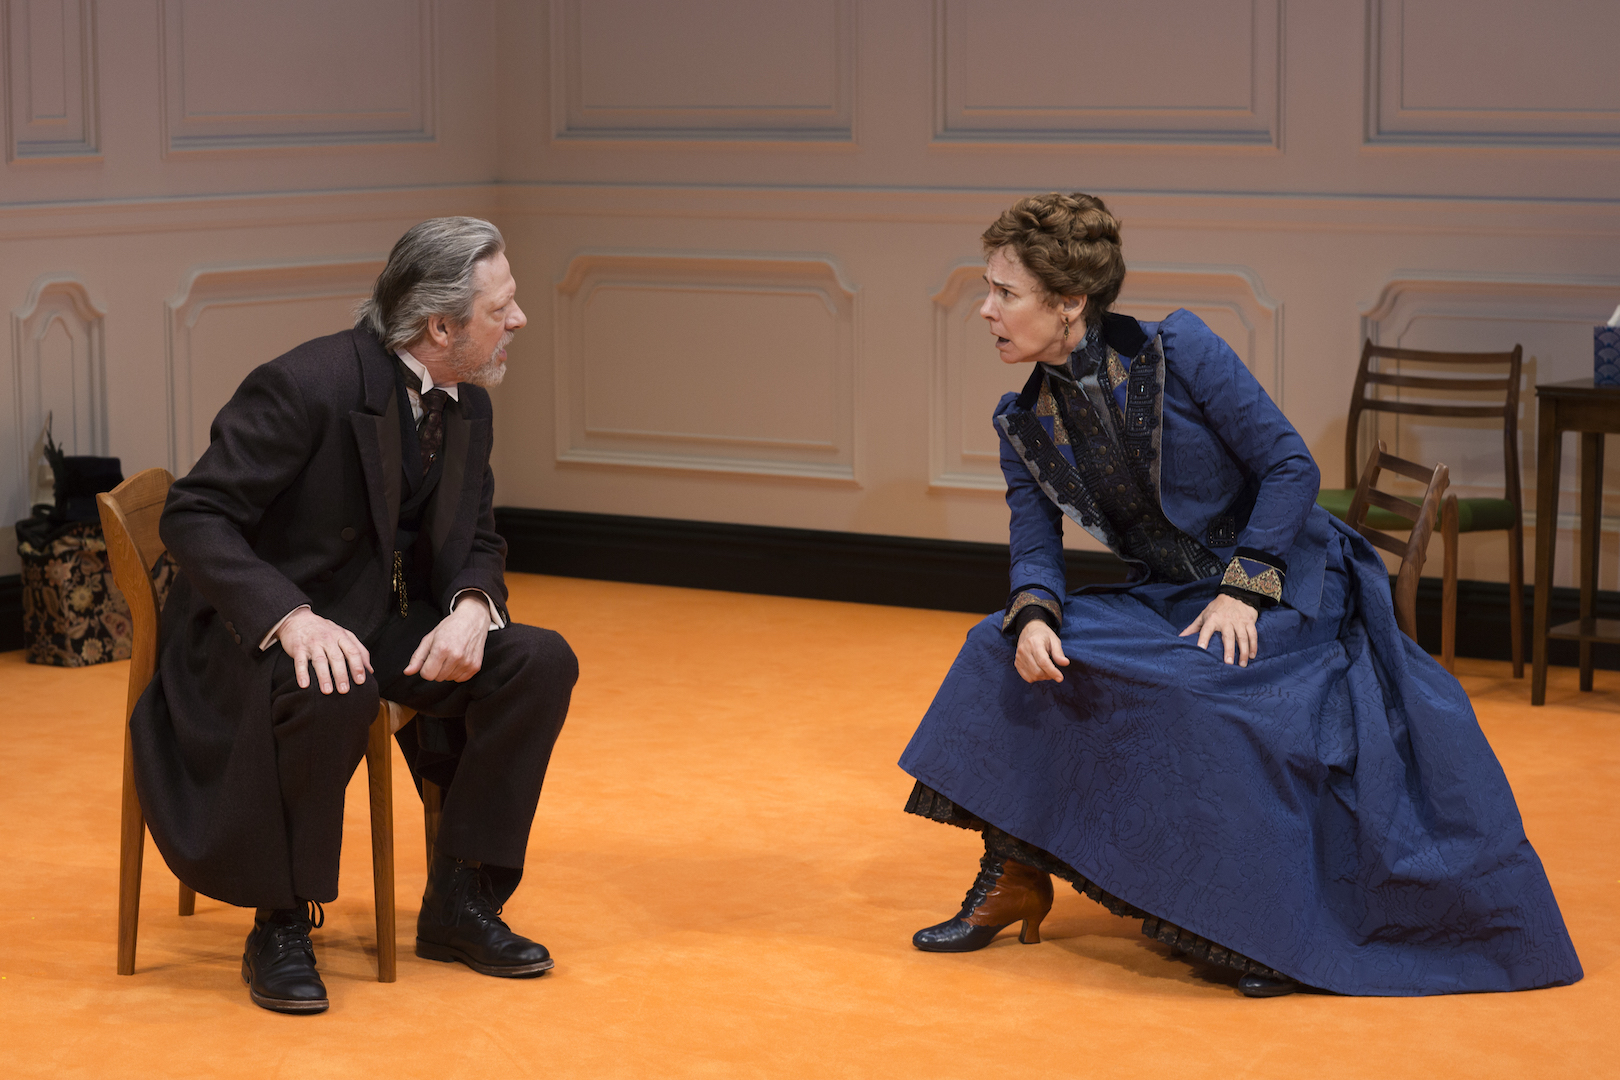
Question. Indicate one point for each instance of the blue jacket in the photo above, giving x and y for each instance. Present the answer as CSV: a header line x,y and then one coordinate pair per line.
x,y
1231,470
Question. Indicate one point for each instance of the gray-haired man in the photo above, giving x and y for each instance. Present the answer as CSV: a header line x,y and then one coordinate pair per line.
x,y
337,544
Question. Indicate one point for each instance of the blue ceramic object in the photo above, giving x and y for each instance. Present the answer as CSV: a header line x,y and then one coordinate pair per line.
x,y
1606,356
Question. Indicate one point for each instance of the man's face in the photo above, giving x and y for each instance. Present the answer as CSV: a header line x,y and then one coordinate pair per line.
x,y
478,350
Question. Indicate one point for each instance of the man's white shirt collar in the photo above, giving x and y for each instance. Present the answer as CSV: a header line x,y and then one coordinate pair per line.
x,y
426,379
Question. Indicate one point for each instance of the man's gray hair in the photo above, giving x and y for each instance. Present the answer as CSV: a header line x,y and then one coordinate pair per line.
x,y
429,272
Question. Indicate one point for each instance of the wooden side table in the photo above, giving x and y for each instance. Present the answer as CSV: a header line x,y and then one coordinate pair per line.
x,y
1594,411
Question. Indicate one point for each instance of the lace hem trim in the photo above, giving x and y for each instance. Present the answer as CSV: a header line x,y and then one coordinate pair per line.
x,y
928,803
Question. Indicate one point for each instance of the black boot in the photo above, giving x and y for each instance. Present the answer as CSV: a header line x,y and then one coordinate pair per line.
x,y
460,920
279,962
1262,986
1004,893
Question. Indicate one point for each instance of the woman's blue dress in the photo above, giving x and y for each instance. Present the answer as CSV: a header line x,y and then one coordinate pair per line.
x,y
1332,811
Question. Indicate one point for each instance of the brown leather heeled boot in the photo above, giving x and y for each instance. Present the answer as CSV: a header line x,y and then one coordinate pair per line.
x,y
1004,892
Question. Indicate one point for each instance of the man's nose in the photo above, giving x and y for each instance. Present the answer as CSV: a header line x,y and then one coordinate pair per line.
x,y
516,320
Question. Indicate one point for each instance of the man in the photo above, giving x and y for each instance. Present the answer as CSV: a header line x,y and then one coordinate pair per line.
x,y
337,544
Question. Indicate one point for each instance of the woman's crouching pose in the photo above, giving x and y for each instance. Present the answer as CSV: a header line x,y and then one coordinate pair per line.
x,y
1309,802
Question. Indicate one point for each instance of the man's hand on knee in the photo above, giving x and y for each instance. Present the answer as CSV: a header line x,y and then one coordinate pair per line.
x,y
454,650
334,653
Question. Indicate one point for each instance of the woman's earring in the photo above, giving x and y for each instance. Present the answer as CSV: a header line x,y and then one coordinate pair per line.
x,y
1065,328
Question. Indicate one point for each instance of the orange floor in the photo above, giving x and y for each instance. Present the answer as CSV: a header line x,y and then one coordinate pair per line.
x,y
721,867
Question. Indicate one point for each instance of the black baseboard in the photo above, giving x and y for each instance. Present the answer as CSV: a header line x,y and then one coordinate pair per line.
x,y
946,575
11,628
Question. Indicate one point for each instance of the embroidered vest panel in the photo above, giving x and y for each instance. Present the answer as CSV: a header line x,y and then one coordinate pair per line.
x,y
1112,487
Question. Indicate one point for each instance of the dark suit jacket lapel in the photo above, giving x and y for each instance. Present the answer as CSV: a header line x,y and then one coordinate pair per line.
x,y
445,505
452,512
376,434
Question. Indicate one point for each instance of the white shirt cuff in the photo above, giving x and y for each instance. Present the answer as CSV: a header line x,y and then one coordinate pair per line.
x,y
495,620
275,631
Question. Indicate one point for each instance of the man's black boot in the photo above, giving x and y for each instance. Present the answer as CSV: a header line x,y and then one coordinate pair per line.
x,y
460,920
279,962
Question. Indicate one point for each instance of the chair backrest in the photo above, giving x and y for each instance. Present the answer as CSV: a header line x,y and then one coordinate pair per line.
x,y
129,520
1441,386
1415,547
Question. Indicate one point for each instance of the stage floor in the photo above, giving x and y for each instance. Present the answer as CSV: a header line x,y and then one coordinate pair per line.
x,y
721,866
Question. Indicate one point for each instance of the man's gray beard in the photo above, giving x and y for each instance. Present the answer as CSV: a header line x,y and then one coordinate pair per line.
x,y
487,372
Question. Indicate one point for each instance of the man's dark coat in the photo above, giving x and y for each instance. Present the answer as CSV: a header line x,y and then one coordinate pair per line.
x,y
295,501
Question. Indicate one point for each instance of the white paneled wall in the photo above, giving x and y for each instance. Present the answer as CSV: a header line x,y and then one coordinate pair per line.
x,y
622,399
242,74
1220,83
217,310
192,186
746,233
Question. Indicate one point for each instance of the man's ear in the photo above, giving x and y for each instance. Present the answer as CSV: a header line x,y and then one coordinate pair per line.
x,y
438,330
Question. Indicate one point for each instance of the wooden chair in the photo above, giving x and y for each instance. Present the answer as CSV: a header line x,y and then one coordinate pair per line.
x,y
1418,517
129,518
1466,515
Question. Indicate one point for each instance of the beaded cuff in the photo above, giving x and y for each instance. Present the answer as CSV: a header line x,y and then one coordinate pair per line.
x,y
1255,573
1025,599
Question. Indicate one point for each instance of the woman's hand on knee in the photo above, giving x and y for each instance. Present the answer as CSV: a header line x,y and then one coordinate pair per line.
x,y
1234,621
1040,654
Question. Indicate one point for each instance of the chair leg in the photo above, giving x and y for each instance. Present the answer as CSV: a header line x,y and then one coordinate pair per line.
x,y
131,852
188,899
1448,586
1516,594
379,773
432,810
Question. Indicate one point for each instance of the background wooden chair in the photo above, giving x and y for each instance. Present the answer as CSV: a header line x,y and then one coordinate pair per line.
x,y
1417,517
1465,515
129,518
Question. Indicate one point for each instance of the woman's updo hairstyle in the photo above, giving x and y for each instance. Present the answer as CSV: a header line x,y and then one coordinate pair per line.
x,y
1069,242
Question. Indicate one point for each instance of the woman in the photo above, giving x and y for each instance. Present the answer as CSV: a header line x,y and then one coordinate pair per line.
x,y
1310,803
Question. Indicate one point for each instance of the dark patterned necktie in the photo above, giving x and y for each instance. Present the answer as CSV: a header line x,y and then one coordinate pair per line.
x,y
430,430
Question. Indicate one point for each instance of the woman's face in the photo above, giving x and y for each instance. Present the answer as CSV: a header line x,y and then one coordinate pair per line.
x,y
1026,326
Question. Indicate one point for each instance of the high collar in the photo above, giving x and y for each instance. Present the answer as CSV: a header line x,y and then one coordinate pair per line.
x,y
424,379
1121,333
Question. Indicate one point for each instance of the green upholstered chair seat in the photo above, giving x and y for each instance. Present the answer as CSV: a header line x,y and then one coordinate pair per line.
x,y
1473,515
1336,501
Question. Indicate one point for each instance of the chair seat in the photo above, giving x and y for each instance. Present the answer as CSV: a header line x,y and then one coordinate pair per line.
x,y
1484,515
1336,501
1473,515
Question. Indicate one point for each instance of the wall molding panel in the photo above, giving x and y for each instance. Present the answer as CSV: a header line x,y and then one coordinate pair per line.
x,y
219,289
956,459
59,369
1548,92
386,93
51,101
626,71
964,451
1583,301
1231,299
975,208
1174,98
56,221
679,362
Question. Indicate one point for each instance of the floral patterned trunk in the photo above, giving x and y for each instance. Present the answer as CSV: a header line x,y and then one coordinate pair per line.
x,y
73,614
